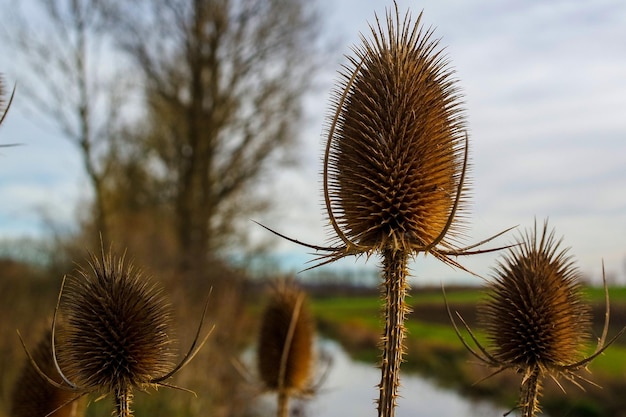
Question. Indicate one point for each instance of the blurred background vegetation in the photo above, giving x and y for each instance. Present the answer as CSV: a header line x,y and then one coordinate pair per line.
x,y
179,110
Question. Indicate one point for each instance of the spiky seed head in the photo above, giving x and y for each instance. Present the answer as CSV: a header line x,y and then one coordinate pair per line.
x,y
117,328
285,351
535,315
32,395
397,150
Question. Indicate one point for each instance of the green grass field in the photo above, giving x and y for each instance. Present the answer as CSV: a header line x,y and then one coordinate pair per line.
x,y
434,347
366,311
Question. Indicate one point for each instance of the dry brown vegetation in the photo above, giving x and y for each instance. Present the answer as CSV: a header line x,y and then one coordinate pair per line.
x,y
28,296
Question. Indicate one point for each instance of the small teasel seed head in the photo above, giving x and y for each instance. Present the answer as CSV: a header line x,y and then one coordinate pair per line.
x,y
535,315
117,328
397,141
32,395
285,351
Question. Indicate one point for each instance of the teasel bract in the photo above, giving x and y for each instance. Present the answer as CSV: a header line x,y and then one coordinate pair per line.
x,y
285,349
33,396
395,168
116,334
4,105
535,317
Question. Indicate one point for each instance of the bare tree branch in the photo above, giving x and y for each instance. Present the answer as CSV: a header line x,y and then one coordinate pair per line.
x,y
58,45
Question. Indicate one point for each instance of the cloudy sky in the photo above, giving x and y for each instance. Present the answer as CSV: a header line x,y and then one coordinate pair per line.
x,y
545,92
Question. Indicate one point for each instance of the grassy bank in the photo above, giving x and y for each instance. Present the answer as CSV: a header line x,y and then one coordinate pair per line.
x,y
435,351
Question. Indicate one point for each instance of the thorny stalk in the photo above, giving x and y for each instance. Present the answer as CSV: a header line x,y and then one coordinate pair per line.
x,y
395,289
123,399
530,392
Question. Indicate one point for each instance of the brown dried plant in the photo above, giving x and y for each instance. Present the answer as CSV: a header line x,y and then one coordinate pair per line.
x,y
33,396
535,318
395,168
285,350
116,334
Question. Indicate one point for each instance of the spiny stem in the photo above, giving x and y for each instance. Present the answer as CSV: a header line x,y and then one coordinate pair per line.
x,y
395,289
123,398
529,393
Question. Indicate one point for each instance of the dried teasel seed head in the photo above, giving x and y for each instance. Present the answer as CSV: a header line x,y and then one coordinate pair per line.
x,y
535,316
33,396
397,141
285,351
117,328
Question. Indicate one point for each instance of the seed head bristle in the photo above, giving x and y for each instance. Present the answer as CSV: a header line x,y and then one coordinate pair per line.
x,y
535,315
285,351
33,396
117,328
398,144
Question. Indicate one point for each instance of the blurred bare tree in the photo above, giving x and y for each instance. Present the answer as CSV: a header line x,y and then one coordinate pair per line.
x,y
63,66
220,84
223,82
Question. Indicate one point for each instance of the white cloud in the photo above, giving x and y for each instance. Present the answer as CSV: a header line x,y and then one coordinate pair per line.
x,y
40,179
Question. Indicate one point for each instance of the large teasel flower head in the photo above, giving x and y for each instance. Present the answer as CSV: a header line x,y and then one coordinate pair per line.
x,y
396,159
396,156
535,317
116,333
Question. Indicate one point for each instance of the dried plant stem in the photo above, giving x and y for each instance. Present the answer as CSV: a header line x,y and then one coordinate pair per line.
x,y
283,394
285,354
529,393
395,289
283,404
123,398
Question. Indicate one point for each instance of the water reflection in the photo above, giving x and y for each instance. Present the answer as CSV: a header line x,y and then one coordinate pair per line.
x,y
350,390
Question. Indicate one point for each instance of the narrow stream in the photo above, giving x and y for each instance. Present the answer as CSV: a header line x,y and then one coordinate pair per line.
x,y
350,390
